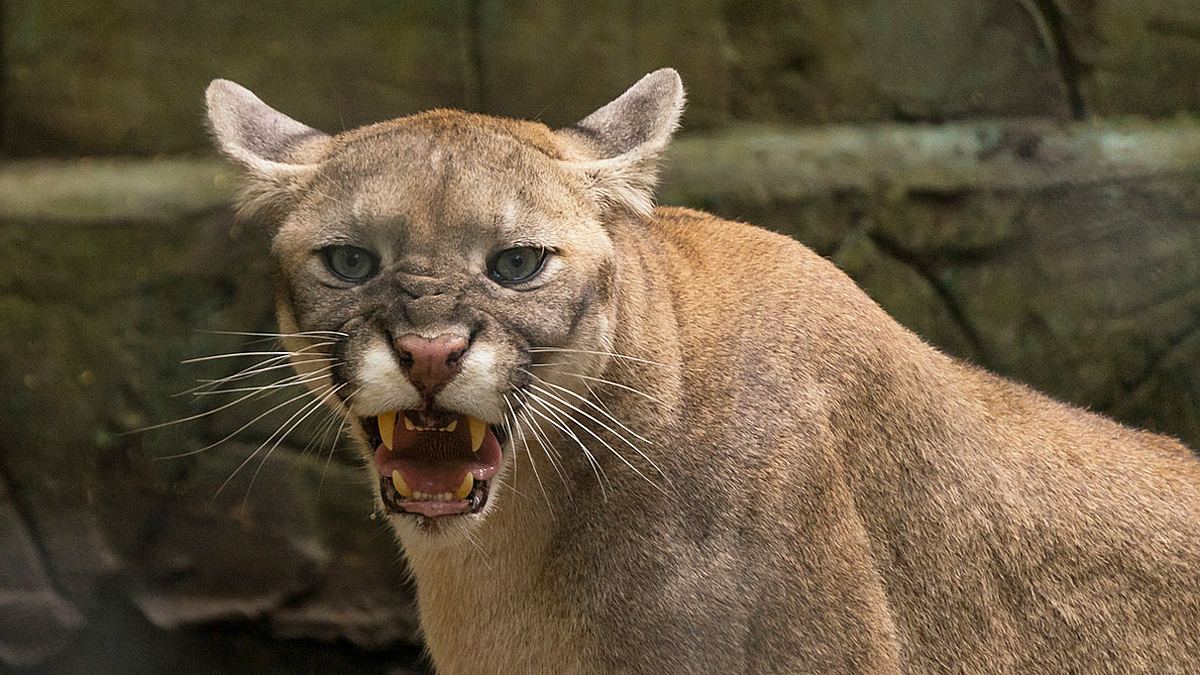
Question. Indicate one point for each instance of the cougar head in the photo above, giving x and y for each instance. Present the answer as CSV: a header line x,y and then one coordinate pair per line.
x,y
428,266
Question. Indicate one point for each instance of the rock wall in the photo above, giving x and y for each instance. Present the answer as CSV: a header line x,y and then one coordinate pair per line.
x,y
971,164
119,80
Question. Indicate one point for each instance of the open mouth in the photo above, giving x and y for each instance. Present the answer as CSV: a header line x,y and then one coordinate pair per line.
x,y
433,463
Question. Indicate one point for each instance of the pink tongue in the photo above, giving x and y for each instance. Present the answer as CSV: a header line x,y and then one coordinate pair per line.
x,y
434,470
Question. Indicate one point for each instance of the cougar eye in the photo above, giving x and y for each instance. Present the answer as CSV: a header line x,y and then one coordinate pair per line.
x,y
350,263
515,265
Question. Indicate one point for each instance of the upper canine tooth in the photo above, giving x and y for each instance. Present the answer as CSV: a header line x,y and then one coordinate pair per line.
x,y
387,427
478,429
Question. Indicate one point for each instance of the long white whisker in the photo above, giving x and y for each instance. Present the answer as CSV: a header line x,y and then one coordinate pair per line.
x,y
240,429
588,351
303,378
508,433
336,437
197,415
252,370
528,454
611,448
310,407
601,380
593,405
301,334
318,406
562,426
546,446
234,355
321,432
479,547
247,374
510,486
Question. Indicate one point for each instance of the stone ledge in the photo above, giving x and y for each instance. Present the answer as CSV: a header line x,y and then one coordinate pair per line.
x,y
748,163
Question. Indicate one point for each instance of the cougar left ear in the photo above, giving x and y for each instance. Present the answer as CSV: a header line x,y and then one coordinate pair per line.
x,y
278,152
629,134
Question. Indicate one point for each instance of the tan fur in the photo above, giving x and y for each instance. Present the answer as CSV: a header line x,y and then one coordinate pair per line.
x,y
835,495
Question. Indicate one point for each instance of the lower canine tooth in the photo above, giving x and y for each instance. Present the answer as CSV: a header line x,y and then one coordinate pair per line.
x,y
387,427
478,429
463,490
400,485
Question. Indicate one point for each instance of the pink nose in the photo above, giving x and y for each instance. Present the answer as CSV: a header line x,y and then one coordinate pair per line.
x,y
431,363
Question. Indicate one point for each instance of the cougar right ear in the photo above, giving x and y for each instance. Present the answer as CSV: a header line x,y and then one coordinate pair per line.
x,y
278,153
629,134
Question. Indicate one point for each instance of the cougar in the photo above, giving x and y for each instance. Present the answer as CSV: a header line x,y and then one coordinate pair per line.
x,y
615,437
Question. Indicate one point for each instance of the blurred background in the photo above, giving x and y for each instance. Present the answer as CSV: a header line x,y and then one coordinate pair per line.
x,y
1016,180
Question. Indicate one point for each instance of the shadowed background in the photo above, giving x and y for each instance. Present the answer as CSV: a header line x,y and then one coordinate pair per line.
x,y
1016,180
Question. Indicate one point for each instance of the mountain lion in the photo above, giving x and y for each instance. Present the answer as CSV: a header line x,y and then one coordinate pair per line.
x,y
612,437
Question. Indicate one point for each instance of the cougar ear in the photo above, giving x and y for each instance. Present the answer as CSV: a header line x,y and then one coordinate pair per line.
x,y
278,153
629,134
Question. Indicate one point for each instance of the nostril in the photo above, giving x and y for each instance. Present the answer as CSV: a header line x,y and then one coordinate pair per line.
x,y
431,362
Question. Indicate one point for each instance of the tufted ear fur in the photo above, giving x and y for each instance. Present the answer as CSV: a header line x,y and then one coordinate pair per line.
x,y
278,153
629,134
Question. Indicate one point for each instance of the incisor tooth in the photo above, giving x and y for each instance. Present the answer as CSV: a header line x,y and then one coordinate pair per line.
x,y
465,489
478,429
400,485
387,427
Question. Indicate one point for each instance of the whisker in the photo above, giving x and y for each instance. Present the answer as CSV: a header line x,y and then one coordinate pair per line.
x,y
601,380
240,429
596,468
592,393
589,402
508,433
234,355
252,371
597,353
318,405
197,416
319,432
295,380
264,368
310,407
306,333
479,547
322,428
611,448
528,454
261,366
336,437
510,486
546,445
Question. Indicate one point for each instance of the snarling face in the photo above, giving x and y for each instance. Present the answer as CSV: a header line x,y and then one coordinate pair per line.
x,y
428,267
443,280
